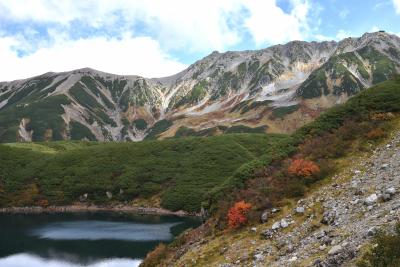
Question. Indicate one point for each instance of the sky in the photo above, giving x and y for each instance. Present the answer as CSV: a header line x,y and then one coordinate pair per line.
x,y
156,38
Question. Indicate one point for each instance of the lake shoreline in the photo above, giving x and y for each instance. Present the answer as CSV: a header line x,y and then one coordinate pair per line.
x,y
95,208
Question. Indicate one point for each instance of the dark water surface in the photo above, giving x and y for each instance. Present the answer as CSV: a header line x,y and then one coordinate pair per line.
x,y
84,239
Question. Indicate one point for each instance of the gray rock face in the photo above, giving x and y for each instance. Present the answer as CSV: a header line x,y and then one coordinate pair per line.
x,y
221,82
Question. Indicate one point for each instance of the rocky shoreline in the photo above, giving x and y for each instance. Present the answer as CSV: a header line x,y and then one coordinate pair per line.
x,y
95,208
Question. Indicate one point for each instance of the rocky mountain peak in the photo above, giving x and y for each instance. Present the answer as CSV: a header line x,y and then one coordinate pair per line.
x,y
276,89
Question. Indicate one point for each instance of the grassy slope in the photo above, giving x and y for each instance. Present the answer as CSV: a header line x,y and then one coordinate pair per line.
x,y
181,171
338,134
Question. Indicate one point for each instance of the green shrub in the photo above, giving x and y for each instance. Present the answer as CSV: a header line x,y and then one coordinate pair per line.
x,y
385,252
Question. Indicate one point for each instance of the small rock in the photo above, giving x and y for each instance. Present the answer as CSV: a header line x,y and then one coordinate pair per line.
x,y
253,229
371,231
371,200
323,247
109,195
386,197
276,226
391,191
264,217
321,234
335,250
294,258
268,234
274,210
300,210
354,202
258,257
384,166
83,198
284,223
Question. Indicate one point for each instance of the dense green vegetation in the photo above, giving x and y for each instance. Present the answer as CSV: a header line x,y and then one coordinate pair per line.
x,y
181,171
44,114
280,112
384,97
385,252
185,131
158,128
188,172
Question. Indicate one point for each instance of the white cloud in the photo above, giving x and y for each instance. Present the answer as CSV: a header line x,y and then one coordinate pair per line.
x,y
341,34
321,37
177,24
374,29
396,4
159,28
268,23
129,55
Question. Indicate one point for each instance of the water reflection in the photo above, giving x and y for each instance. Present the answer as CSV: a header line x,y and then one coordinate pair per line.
x,y
87,239
24,260
98,230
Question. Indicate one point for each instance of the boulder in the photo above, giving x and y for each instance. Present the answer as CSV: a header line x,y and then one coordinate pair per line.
x,y
109,195
284,223
300,210
371,199
391,191
335,250
329,218
276,226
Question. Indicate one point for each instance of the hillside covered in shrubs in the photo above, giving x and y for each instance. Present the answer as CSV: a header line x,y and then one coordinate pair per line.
x,y
177,172
315,154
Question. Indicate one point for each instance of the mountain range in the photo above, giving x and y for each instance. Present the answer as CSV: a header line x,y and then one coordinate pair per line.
x,y
276,90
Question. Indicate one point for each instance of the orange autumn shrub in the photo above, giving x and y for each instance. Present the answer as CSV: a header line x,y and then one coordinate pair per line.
x,y
237,215
303,168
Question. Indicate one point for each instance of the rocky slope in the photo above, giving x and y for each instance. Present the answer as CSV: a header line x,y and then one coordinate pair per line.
x,y
276,89
330,227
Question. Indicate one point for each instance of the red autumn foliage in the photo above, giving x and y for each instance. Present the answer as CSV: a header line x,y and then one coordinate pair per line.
x,y
237,215
303,168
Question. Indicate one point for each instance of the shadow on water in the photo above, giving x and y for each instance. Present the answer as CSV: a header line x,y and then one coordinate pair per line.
x,y
86,238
